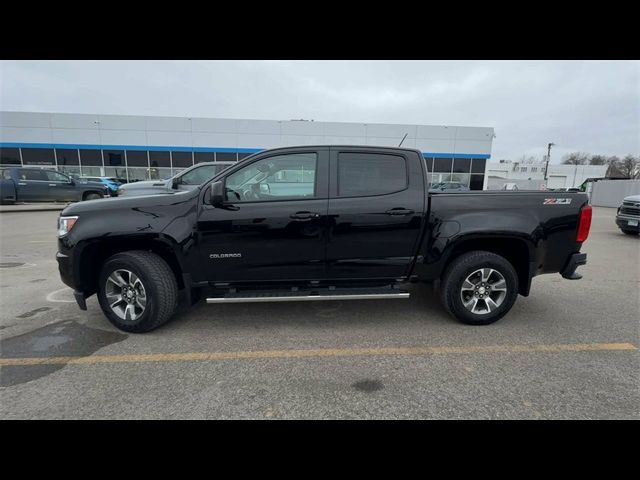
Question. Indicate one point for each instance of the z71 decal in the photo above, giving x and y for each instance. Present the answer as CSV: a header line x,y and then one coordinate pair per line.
x,y
556,201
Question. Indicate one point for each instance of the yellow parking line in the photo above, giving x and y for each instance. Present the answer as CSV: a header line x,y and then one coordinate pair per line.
x,y
325,352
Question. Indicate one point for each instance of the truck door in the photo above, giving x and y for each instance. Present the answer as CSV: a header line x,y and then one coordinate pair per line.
x,y
273,224
33,185
376,205
61,187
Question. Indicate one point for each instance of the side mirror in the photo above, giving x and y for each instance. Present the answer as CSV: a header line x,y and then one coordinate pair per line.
x,y
215,194
72,181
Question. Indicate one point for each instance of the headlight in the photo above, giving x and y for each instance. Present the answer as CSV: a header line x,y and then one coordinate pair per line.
x,y
65,224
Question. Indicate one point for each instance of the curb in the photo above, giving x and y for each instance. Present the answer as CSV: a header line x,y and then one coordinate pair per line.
x,y
32,208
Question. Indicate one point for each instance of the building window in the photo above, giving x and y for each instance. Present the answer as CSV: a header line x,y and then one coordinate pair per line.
x,y
243,155
476,183
181,159
200,157
523,169
478,165
10,156
116,172
113,158
135,158
38,156
534,169
137,174
429,163
462,178
92,158
461,165
443,165
160,159
67,156
226,157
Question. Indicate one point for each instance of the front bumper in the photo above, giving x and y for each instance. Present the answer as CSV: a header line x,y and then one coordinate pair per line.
x,y
65,267
574,262
623,222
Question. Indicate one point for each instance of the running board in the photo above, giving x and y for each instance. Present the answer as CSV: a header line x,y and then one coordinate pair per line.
x,y
255,297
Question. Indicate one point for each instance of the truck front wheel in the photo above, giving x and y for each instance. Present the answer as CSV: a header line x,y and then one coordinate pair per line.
x,y
479,287
137,291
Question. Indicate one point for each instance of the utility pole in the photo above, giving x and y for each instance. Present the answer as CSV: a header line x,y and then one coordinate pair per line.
x,y
546,167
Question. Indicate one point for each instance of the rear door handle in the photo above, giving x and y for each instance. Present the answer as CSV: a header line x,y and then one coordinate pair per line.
x,y
304,215
399,211
52,184
21,183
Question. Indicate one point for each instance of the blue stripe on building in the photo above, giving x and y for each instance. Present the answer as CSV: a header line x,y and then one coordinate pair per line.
x,y
157,148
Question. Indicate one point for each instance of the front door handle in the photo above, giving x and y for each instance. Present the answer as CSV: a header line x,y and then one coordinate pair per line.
x,y
52,184
21,183
399,211
304,215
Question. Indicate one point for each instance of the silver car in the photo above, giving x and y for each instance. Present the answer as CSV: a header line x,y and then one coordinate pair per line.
x,y
187,179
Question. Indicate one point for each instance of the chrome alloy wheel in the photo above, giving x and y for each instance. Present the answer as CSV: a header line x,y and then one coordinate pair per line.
x,y
483,291
126,294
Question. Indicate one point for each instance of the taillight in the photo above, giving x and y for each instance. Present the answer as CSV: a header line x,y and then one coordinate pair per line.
x,y
584,224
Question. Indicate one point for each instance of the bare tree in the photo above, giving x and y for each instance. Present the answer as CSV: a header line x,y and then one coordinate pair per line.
x,y
630,167
598,160
576,158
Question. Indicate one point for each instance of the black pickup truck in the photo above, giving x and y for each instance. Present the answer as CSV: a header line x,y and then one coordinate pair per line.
x,y
318,223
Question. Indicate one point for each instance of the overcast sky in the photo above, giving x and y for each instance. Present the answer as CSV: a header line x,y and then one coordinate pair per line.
x,y
590,106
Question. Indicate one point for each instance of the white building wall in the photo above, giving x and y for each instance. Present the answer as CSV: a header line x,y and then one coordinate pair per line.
x,y
559,176
123,131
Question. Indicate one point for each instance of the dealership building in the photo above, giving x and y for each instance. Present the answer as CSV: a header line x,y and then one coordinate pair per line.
x,y
148,147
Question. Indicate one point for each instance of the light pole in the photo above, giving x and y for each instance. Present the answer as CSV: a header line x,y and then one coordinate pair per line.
x,y
546,167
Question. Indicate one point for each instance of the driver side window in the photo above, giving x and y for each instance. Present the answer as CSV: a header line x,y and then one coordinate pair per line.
x,y
290,176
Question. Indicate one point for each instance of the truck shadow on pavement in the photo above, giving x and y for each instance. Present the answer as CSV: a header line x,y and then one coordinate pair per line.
x,y
61,339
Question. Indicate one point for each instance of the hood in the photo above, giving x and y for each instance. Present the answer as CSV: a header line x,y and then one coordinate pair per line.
x,y
632,198
145,184
132,203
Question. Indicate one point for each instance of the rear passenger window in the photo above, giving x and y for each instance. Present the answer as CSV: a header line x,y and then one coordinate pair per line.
x,y
363,174
32,174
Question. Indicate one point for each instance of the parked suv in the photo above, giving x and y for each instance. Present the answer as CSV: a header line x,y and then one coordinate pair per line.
x,y
628,217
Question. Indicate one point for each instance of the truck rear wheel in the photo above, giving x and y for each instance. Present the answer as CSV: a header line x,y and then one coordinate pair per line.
x,y
92,196
479,287
137,291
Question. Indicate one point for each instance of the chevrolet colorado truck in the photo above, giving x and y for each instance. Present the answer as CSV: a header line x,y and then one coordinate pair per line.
x,y
18,184
318,223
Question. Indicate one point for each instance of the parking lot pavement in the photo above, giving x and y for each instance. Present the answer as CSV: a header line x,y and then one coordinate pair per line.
x,y
569,350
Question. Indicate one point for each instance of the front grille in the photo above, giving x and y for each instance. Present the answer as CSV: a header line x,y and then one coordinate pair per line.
x,y
630,211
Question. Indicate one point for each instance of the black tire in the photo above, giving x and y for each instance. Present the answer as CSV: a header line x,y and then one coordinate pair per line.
x,y
463,266
629,232
92,196
159,283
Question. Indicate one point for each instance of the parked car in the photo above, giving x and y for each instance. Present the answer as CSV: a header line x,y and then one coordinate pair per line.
x,y
111,183
187,179
449,187
628,216
18,184
510,186
360,225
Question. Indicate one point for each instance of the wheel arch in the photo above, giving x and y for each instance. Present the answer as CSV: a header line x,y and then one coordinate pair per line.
x,y
93,254
514,249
